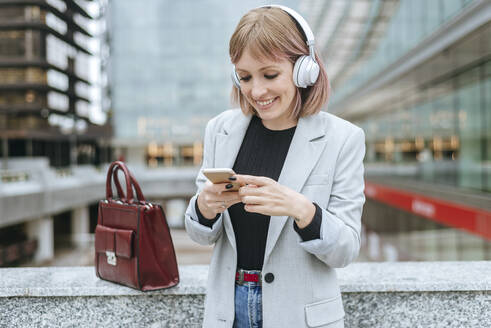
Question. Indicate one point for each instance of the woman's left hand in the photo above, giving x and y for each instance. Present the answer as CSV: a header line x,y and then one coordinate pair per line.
x,y
266,196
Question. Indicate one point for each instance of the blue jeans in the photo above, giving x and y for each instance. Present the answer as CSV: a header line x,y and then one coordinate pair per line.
x,y
248,305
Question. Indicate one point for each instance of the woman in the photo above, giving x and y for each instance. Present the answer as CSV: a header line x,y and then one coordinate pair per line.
x,y
297,213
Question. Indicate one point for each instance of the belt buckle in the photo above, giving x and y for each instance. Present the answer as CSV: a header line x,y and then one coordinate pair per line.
x,y
241,277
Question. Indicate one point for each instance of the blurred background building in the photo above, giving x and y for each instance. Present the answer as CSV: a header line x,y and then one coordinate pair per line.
x,y
85,82
170,73
53,104
50,95
416,76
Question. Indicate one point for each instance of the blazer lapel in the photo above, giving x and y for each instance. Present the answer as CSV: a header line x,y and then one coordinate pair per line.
x,y
307,145
229,140
227,147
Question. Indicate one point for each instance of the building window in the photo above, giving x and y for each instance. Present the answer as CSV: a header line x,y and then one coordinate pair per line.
x,y
12,14
58,101
57,51
12,43
19,98
57,80
21,75
58,4
82,108
30,96
55,23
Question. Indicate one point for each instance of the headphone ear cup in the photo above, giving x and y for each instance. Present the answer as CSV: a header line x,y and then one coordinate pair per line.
x,y
296,72
305,72
313,71
235,78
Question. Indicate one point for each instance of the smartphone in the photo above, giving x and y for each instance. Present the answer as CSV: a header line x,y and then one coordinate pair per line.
x,y
221,175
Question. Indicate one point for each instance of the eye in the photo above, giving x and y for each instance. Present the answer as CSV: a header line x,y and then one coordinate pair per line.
x,y
270,77
245,78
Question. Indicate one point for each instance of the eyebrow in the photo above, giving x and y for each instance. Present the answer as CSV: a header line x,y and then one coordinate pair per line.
x,y
261,69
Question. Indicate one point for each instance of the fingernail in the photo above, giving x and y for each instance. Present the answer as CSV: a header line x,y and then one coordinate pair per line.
x,y
229,186
232,178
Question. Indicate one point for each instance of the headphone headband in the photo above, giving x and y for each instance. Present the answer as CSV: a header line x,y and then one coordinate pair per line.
x,y
303,24
300,20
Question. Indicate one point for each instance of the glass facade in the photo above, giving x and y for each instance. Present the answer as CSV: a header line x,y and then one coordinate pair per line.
x,y
170,69
406,237
442,126
411,23
445,134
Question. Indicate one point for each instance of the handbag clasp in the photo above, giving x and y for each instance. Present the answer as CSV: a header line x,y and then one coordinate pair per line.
x,y
111,258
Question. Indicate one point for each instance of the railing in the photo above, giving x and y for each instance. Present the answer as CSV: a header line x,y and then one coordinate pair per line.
x,y
7,176
398,294
44,191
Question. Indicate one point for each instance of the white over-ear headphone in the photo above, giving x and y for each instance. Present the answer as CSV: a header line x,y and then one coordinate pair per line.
x,y
306,69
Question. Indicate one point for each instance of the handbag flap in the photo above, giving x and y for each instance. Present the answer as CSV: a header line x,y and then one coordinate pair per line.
x,y
119,241
124,243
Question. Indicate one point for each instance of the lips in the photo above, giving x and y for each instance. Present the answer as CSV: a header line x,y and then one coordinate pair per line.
x,y
267,103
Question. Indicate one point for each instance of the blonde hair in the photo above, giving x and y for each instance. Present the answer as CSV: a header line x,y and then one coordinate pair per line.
x,y
270,33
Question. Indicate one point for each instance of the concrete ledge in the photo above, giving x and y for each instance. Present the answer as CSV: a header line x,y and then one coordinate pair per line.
x,y
400,294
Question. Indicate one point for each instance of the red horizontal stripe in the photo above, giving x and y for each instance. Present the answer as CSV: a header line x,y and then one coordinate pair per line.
x,y
474,220
248,277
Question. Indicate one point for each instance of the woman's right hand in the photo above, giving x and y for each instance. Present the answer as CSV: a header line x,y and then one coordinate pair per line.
x,y
214,199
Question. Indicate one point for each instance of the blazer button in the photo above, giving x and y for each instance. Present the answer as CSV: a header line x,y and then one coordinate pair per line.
x,y
269,277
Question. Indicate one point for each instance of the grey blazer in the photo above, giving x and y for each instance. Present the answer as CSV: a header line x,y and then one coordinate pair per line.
x,y
324,163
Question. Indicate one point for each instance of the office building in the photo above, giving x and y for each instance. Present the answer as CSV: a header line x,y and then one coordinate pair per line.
x,y
52,105
48,75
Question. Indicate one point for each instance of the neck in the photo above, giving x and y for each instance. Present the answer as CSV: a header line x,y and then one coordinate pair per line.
x,y
279,126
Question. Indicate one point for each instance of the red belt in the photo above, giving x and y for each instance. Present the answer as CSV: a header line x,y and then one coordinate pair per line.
x,y
242,276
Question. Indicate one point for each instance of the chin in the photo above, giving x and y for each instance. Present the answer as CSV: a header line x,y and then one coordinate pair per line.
x,y
265,115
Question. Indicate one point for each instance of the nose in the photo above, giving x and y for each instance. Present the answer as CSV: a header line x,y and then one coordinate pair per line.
x,y
258,89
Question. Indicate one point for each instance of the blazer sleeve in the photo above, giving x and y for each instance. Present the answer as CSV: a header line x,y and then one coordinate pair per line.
x,y
198,232
340,242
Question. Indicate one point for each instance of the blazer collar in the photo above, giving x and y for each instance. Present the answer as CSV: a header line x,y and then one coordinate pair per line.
x,y
305,149
237,124
229,140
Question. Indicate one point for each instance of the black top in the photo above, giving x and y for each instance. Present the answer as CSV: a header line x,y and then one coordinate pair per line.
x,y
262,153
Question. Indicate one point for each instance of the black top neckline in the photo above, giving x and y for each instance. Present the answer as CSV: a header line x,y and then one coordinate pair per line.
x,y
257,121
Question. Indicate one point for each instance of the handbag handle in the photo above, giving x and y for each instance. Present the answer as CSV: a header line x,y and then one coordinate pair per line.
x,y
118,185
134,183
129,189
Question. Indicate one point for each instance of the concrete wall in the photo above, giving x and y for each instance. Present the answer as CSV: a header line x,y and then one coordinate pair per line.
x,y
399,294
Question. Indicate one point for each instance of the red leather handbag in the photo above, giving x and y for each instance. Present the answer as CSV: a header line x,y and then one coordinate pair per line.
x,y
133,245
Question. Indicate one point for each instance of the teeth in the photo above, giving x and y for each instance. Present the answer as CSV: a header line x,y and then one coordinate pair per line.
x,y
264,103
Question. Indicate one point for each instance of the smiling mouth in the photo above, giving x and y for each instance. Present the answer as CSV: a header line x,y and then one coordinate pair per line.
x,y
266,102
